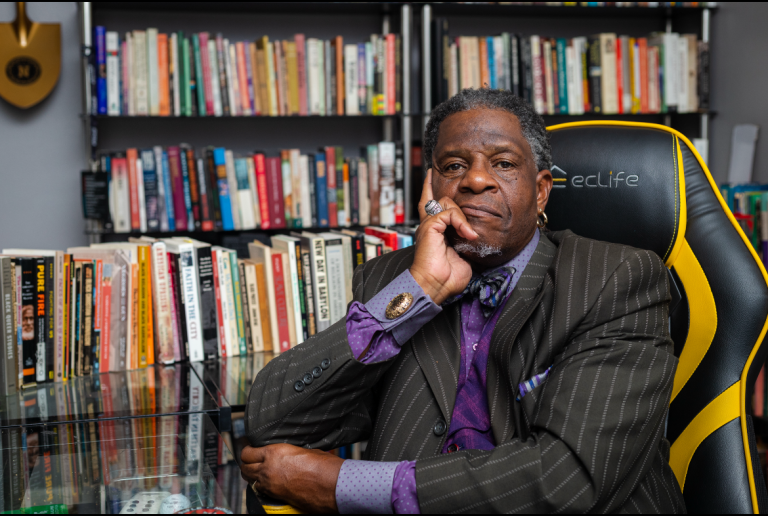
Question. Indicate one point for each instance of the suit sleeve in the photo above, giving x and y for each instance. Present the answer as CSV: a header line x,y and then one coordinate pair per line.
x,y
335,407
597,421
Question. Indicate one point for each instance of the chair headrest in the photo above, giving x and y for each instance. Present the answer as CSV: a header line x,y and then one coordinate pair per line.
x,y
627,178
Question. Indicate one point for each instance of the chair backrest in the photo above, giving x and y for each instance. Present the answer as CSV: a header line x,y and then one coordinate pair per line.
x,y
645,185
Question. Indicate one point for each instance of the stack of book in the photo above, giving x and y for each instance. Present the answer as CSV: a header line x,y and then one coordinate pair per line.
x,y
158,74
177,189
605,73
120,306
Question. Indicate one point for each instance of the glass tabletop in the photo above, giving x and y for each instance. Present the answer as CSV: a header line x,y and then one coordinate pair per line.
x,y
156,390
229,379
150,465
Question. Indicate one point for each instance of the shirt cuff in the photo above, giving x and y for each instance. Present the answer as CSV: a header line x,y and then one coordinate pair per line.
x,y
404,497
365,487
421,311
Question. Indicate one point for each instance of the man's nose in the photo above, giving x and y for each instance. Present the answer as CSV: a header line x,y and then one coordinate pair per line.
x,y
479,178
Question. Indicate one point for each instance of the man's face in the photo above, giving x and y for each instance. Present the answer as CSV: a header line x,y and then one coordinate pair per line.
x,y
484,163
28,322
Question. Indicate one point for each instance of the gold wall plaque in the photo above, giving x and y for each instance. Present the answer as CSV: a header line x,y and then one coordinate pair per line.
x,y
30,59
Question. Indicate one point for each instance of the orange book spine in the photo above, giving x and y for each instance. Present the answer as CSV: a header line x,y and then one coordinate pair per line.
x,y
150,311
106,334
485,74
642,49
242,76
132,155
162,74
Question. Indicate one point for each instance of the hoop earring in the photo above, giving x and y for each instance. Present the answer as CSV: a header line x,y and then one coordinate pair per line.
x,y
541,219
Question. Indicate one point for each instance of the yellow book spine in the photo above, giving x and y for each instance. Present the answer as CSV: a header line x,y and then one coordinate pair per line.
x,y
143,305
135,318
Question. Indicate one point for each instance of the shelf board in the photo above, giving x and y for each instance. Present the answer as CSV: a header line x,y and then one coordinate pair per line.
x,y
259,117
496,9
195,234
253,7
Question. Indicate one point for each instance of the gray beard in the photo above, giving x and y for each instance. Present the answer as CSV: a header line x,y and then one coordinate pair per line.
x,y
481,250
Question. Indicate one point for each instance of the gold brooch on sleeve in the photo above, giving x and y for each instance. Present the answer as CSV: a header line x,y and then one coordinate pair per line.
x,y
399,305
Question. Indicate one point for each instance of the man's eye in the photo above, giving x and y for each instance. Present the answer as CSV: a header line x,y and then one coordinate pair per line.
x,y
453,167
504,164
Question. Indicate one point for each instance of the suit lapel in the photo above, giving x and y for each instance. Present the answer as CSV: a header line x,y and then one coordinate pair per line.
x,y
504,369
437,348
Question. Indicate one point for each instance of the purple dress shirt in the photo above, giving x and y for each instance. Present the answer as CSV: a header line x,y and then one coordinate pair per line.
x,y
386,487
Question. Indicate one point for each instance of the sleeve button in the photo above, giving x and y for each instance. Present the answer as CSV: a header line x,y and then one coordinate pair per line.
x,y
307,378
439,428
326,363
298,386
317,372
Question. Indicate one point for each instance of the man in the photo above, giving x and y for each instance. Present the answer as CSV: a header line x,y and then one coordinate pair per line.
x,y
492,367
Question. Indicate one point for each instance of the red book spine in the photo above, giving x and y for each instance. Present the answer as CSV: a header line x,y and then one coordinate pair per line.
x,y
619,77
390,239
206,77
131,155
280,302
276,202
219,311
177,184
261,186
174,312
642,48
390,74
301,60
330,167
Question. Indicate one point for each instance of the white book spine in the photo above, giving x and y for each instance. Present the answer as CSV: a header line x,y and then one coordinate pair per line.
x,y
387,183
365,201
571,80
215,82
139,57
670,69
498,58
254,193
328,59
228,308
191,302
161,207
153,73
335,260
142,199
320,284
312,77
539,96
306,202
549,86
254,307
320,76
233,85
245,202
682,71
121,213
176,73
161,294
129,79
350,80
229,160
113,74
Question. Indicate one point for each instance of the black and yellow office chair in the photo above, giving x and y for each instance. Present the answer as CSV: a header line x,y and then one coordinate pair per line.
x,y
645,185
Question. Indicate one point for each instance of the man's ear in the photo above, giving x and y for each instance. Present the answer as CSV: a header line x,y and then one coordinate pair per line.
x,y
543,187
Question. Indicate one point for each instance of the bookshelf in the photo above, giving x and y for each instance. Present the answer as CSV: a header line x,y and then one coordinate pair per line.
x,y
247,21
569,22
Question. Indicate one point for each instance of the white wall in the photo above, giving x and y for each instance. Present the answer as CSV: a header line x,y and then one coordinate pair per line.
x,y
42,148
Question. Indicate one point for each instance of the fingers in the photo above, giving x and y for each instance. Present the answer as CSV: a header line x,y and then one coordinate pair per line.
x,y
426,195
453,216
251,455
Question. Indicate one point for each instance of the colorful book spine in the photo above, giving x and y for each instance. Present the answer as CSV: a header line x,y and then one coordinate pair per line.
x,y
101,69
223,188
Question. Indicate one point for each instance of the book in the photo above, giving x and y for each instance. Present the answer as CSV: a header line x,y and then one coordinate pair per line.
x,y
282,313
190,296
287,244
262,255
335,263
315,246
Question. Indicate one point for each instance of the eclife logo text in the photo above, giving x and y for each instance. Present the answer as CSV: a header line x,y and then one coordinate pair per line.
x,y
599,180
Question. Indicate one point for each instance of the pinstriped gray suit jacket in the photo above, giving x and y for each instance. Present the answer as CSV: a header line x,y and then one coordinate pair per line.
x,y
589,439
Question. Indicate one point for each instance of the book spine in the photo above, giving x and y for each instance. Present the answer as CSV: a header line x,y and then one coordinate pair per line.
x,y
174,67
276,201
50,318
144,314
354,187
321,190
206,85
219,314
246,309
334,256
280,302
60,307
595,75
539,93
170,198
101,69
208,308
312,190
238,298
223,189
307,191
301,63
320,284
127,79
162,211
562,76
364,201
261,181
205,197
399,184
222,74
187,194
264,306
113,73
195,220
8,284
177,181
228,305
287,180
133,180
197,89
254,308
163,77
162,297
330,162
242,76
191,302
390,94
151,193
177,313
188,79
306,269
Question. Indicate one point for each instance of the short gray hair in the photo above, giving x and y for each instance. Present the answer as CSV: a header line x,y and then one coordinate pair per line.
x,y
534,129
